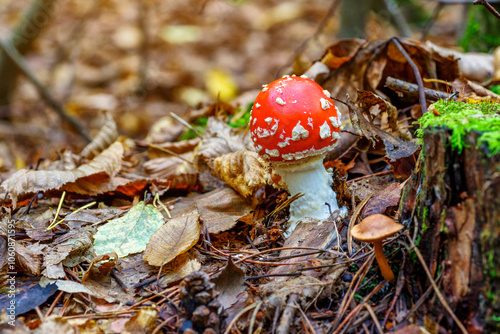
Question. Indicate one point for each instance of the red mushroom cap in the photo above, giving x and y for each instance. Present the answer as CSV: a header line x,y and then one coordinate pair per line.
x,y
294,118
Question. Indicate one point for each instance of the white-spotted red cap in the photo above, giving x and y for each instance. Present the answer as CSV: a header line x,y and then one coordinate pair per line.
x,y
294,118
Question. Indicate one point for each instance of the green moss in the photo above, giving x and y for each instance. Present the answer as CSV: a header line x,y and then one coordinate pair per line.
x,y
462,118
441,220
200,124
481,32
241,121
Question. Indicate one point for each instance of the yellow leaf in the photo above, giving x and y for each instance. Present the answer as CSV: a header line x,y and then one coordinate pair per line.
x,y
221,84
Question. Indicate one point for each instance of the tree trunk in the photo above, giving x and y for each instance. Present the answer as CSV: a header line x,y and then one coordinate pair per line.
x,y
454,198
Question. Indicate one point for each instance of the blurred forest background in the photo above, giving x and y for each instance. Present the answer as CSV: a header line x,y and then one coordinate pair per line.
x,y
143,59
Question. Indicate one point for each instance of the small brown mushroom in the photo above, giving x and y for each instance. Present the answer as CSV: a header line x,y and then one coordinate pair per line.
x,y
374,229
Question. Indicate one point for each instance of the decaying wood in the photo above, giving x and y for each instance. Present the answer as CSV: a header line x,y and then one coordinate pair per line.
x,y
456,203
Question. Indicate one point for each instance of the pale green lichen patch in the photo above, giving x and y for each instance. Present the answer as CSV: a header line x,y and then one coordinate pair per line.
x,y
461,118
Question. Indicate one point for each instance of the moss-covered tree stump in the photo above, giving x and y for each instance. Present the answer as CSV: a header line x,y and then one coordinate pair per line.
x,y
452,206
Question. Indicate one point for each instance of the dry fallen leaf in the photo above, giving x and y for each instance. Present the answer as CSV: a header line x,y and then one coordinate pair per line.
x,y
130,233
221,209
229,284
69,250
388,197
142,322
55,325
395,147
218,139
243,171
105,165
164,167
106,136
177,236
180,267
27,259
178,147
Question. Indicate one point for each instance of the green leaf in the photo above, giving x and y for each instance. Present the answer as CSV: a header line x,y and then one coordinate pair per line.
x,y
130,233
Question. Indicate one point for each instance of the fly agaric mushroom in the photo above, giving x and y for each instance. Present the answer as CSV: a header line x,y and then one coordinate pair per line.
x,y
294,123
374,229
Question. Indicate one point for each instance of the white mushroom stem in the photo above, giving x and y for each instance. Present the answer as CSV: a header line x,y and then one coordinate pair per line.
x,y
312,180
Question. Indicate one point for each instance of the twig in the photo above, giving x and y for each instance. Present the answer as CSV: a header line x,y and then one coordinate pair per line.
x,y
288,315
163,297
65,306
358,277
374,318
186,124
254,316
237,317
399,288
51,308
329,14
430,22
421,300
61,201
488,7
22,39
72,274
355,215
40,314
169,152
18,60
355,311
348,149
163,323
412,89
306,319
433,283
118,280
171,289
385,172
418,77
275,319
398,17
52,225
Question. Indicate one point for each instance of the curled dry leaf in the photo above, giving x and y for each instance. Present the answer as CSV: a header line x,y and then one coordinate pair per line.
x,y
218,139
243,171
69,250
106,136
177,236
130,233
395,147
376,108
164,167
470,89
105,165
180,267
472,65
369,64
101,265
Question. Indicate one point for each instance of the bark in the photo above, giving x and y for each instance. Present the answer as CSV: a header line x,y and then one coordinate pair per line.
x,y
454,199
